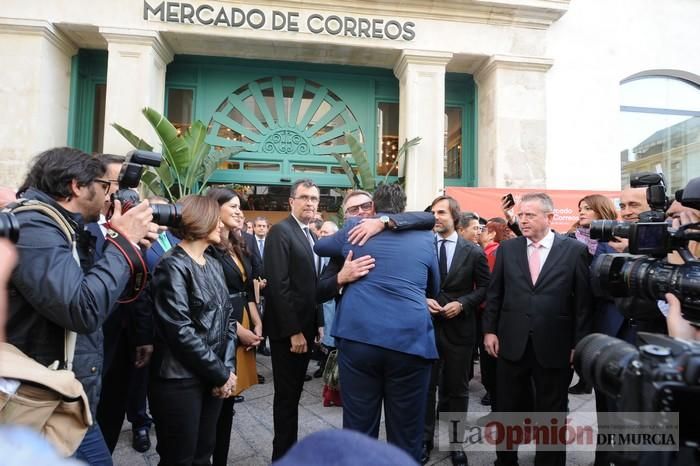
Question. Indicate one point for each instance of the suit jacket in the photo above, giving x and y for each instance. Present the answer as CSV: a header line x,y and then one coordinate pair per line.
x,y
387,307
255,258
155,252
290,294
555,312
466,282
328,281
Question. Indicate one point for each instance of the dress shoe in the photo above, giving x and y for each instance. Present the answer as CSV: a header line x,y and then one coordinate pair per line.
x,y
319,373
307,377
140,441
459,458
581,388
238,399
486,399
264,351
261,379
425,452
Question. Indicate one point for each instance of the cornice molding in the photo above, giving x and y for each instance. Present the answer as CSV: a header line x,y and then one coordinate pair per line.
x,y
512,62
139,37
537,14
42,28
420,57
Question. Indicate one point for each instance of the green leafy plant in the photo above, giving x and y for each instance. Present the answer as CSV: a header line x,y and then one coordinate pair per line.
x,y
188,161
366,180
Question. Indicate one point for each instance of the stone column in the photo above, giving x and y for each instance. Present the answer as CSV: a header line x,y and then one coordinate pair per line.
x,y
34,93
421,77
136,67
512,125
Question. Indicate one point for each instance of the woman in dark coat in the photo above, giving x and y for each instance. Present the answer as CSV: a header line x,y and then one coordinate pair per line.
x,y
238,274
192,368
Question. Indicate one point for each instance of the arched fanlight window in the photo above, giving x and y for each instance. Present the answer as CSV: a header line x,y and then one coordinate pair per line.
x,y
660,123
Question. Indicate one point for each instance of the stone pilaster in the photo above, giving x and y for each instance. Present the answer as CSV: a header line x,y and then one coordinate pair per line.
x,y
512,121
421,76
136,68
34,93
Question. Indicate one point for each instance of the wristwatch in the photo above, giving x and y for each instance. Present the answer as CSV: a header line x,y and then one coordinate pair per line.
x,y
386,221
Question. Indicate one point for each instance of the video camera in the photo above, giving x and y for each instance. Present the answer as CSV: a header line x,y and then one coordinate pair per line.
x,y
129,178
661,376
9,226
645,273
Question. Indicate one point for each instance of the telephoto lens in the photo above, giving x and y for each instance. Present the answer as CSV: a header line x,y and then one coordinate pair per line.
x,y
601,361
606,230
9,226
167,215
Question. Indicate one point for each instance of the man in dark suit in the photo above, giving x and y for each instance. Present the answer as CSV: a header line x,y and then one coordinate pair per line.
x,y
292,317
538,307
383,329
464,278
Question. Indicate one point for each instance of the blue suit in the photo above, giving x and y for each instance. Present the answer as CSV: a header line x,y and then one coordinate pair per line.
x,y
385,334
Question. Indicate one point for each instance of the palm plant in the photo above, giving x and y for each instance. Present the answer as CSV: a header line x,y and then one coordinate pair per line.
x,y
358,154
188,161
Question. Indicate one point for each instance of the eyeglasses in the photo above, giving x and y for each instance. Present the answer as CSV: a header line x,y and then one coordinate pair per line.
x,y
305,198
354,210
106,184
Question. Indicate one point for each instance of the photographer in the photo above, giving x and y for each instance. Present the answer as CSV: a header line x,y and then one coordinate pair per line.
x,y
57,287
647,317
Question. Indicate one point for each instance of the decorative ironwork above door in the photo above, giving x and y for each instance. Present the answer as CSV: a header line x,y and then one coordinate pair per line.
x,y
286,125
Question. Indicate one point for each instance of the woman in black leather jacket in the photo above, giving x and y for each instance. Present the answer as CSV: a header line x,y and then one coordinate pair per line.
x,y
192,369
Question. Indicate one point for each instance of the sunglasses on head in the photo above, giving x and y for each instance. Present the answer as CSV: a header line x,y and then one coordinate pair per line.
x,y
354,210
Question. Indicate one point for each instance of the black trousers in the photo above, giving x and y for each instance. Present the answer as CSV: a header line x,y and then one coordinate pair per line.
x,y
185,415
450,373
515,381
124,389
288,371
223,433
370,376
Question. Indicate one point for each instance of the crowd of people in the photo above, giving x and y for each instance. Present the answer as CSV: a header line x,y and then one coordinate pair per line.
x,y
409,300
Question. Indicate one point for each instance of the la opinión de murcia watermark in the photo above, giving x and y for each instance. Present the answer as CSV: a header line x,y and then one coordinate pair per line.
x,y
621,432
206,14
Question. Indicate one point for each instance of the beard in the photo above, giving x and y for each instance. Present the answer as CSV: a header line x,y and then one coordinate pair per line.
x,y
93,209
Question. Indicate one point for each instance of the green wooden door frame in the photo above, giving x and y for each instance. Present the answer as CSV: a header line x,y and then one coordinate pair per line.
x,y
88,69
460,91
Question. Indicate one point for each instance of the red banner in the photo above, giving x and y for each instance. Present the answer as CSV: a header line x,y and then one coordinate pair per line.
x,y
487,202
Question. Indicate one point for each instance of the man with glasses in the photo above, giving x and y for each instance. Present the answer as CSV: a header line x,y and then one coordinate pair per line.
x,y
293,319
342,271
58,287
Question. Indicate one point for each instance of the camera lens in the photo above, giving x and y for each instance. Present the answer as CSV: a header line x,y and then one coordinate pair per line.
x,y
9,226
167,215
601,360
605,230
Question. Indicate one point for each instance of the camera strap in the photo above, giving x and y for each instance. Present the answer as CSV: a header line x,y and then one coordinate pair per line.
x,y
137,267
24,205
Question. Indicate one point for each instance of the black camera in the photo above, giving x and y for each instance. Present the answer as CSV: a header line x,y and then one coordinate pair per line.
x,y
645,273
661,376
9,226
129,178
648,236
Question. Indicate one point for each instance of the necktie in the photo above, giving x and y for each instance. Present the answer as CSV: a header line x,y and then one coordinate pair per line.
x,y
317,259
261,247
534,261
442,260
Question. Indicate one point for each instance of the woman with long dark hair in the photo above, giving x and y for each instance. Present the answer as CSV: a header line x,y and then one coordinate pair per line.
x,y
238,274
192,369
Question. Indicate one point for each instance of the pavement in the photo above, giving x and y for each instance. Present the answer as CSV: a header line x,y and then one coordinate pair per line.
x,y
251,436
